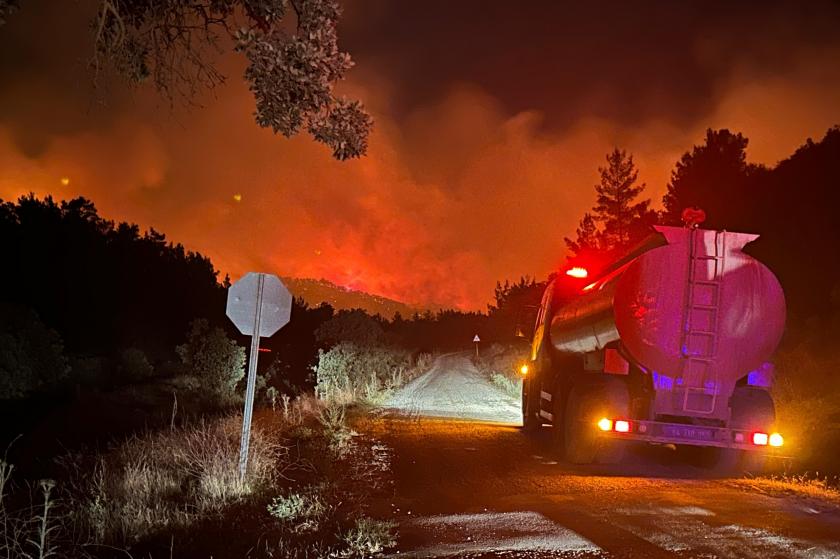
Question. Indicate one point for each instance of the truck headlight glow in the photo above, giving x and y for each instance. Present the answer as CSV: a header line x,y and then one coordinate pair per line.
x,y
776,440
622,426
760,439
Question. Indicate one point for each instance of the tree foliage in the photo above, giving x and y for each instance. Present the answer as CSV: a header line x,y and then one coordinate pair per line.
x,y
355,326
712,176
216,361
103,286
618,219
291,48
31,355
515,308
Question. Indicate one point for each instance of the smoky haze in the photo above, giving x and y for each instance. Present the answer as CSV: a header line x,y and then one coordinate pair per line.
x,y
491,121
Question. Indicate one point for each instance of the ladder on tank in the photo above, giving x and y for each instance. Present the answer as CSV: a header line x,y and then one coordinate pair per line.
x,y
700,331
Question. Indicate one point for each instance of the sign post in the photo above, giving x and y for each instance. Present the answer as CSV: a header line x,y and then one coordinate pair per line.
x,y
476,339
259,305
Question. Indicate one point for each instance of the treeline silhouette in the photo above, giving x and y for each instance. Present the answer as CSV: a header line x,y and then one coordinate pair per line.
x,y
80,292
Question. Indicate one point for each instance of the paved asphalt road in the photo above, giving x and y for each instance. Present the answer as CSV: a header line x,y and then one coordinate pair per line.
x,y
468,483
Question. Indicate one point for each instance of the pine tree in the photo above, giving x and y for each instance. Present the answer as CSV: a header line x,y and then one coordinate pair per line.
x,y
624,220
715,177
586,237
618,219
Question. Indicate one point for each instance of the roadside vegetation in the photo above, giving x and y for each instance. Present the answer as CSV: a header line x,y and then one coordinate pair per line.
x,y
501,365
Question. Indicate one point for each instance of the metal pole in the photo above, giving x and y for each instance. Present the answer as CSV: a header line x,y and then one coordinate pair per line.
x,y
252,379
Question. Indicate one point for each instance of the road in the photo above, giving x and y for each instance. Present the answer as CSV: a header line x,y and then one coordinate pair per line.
x,y
468,483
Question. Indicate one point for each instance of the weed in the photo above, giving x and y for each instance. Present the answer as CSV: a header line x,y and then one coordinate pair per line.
x,y
369,536
302,511
334,422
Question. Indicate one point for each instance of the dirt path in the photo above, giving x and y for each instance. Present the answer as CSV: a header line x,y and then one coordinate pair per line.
x,y
478,487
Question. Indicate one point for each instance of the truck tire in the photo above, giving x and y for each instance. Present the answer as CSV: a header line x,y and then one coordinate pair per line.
x,y
531,420
752,409
617,397
604,397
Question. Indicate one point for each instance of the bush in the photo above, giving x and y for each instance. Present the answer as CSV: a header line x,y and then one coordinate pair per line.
x,y
134,365
31,355
302,511
500,364
369,536
349,372
216,361
806,392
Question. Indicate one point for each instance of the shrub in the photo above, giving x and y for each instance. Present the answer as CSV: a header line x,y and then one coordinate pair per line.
x,y
500,364
302,511
215,360
338,435
31,355
369,536
349,372
134,365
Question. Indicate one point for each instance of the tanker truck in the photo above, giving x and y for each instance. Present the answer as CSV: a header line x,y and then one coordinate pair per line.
x,y
670,345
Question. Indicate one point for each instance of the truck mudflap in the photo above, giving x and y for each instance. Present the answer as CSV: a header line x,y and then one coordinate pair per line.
x,y
694,435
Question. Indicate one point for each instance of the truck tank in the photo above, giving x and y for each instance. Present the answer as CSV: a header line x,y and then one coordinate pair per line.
x,y
695,311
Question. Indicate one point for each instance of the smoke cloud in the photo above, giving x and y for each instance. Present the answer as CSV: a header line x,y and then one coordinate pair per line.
x,y
468,179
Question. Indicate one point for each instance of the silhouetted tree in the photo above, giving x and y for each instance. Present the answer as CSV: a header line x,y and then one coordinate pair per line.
x,y
103,287
515,307
617,221
715,178
623,218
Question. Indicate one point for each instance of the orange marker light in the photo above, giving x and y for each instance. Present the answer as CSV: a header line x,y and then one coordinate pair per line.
x,y
523,370
577,272
776,440
605,424
622,426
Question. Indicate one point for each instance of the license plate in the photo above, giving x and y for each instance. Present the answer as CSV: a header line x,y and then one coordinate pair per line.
x,y
688,432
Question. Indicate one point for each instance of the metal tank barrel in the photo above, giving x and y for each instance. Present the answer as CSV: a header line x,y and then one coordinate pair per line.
x,y
690,307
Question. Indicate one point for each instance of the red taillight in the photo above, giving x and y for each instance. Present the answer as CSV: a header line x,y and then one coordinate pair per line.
x,y
760,439
622,426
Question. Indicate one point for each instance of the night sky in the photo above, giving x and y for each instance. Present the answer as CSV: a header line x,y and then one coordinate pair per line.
x,y
491,121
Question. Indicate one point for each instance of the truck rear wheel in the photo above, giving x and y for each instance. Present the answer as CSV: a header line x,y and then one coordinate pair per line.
x,y
531,420
587,403
752,410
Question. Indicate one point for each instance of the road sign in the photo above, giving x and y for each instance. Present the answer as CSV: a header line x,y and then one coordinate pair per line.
x,y
275,304
259,305
476,339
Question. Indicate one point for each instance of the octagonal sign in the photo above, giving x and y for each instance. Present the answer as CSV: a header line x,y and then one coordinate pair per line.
x,y
259,302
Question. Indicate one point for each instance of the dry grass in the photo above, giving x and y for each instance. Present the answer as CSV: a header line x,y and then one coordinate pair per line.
x,y
168,479
812,487
183,480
